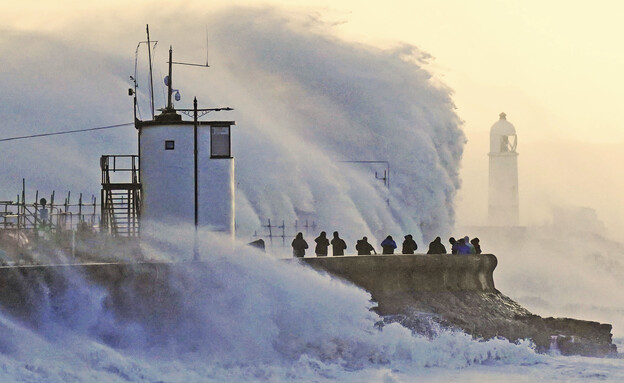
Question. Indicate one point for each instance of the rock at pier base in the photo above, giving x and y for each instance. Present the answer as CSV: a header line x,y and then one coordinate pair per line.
x,y
458,292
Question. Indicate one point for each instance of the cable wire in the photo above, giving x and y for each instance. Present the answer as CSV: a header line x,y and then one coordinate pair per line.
x,y
65,132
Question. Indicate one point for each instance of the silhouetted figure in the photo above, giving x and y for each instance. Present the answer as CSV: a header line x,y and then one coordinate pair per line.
x,y
258,243
469,244
338,244
453,243
436,247
388,245
409,245
477,246
363,247
43,212
462,248
322,243
299,245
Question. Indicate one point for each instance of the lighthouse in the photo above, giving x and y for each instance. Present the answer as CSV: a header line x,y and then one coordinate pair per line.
x,y
503,176
186,169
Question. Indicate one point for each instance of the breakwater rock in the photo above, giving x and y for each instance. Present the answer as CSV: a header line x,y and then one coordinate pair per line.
x,y
459,292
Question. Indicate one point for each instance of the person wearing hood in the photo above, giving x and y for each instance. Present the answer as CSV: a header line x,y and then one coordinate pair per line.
x,y
338,245
470,245
409,245
475,243
462,248
322,243
363,247
436,247
388,245
299,245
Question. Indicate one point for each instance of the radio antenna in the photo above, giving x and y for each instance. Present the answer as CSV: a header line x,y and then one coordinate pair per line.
x,y
193,64
207,46
149,55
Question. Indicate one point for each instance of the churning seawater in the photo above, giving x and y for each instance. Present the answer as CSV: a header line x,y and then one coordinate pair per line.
x,y
244,316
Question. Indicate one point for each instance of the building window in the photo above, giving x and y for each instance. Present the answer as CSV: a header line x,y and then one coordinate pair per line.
x,y
169,144
220,142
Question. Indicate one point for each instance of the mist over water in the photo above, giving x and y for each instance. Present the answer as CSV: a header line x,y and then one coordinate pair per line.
x,y
564,270
239,316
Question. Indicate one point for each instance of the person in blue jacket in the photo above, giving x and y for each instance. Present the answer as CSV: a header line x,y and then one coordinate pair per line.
x,y
462,248
388,245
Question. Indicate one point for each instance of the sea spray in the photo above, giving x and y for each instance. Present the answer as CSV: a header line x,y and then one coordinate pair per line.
x,y
304,102
238,315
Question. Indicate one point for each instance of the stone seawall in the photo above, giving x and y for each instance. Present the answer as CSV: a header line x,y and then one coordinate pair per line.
x,y
454,291
383,275
136,291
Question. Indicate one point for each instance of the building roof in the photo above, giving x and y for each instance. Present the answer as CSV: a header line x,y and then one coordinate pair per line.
x,y
502,127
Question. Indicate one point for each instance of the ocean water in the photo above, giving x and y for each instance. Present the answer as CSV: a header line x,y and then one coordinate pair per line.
x,y
245,316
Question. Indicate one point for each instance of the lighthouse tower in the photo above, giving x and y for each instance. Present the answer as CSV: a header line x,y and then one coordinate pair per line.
x,y
186,169
503,188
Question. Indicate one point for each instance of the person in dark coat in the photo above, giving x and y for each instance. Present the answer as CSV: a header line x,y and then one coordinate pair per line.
x,y
409,245
322,243
453,243
363,247
299,245
477,246
338,245
462,248
388,245
436,247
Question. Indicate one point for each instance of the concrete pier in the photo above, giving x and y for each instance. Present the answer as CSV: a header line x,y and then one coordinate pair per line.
x,y
452,290
383,275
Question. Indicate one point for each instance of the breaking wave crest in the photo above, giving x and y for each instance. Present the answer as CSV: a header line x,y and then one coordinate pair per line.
x,y
232,317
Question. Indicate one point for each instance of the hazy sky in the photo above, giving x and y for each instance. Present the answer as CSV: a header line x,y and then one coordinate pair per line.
x,y
555,68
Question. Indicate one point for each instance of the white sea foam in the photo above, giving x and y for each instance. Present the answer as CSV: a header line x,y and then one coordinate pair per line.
x,y
244,317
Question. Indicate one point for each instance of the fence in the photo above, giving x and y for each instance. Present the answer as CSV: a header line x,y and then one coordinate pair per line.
x,y
20,219
278,235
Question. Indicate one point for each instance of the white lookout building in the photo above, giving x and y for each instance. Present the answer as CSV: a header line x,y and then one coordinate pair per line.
x,y
503,177
187,172
182,175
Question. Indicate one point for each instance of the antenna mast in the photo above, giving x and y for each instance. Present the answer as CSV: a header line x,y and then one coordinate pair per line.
x,y
207,46
169,106
149,54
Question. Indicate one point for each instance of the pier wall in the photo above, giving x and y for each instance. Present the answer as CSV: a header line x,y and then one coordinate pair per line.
x,y
452,290
384,275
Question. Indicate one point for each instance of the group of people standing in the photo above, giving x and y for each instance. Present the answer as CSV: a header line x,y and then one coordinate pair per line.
x,y
338,244
461,246
388,245
465,245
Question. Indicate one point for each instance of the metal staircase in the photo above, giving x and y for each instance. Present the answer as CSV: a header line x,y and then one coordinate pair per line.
x,y
121,195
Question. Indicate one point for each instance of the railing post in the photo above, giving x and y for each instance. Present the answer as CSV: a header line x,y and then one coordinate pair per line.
x,y
80,208
36,206
270,232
